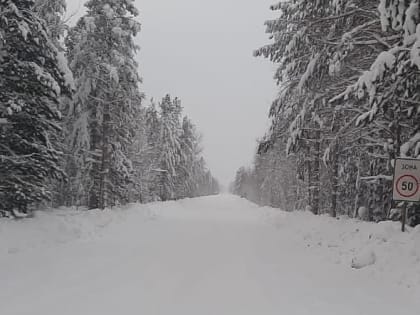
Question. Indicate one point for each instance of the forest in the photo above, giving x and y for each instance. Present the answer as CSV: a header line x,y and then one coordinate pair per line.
x,y
75,129
348,104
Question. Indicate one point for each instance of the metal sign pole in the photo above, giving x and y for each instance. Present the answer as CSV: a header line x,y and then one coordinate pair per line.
x,y
404,217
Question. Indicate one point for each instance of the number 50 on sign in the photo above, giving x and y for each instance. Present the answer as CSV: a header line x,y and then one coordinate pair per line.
x,y
406,186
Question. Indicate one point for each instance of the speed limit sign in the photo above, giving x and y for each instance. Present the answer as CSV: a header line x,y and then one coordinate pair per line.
x,y
407,180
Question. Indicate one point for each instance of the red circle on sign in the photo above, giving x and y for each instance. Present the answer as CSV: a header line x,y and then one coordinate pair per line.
x,y
411,194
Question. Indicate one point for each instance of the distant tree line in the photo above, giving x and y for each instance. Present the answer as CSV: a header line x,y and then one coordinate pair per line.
x,y
348,104
73,128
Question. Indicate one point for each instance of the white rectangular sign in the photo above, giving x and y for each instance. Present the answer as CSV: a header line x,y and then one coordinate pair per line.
x,y
406,186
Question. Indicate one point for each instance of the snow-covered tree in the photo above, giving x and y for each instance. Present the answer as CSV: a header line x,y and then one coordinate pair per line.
x,y
320,47
168,163
388,90
32,78
52,12
188,169
101,53
151,154
170,146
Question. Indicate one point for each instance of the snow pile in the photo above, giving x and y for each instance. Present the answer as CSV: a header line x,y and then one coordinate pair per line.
x,y
60,226
378,250
363,259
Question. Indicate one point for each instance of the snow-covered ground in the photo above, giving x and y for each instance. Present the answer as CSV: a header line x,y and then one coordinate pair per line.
x,y
208,256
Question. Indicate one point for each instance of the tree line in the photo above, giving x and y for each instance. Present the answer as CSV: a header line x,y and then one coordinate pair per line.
x,y
348,104
73,127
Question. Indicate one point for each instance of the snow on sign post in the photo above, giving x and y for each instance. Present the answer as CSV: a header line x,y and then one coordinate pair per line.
x,y
406,185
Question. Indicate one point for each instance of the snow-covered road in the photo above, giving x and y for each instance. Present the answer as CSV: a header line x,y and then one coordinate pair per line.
x,y
208,256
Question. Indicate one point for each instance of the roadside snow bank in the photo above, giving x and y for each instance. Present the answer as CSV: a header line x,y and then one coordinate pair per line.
x,y
59,226
379,250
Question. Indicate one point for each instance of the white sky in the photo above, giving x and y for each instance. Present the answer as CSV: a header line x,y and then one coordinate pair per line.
x,y
201,51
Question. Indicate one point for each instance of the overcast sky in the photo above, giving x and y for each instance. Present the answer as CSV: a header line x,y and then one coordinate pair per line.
x,y
201,51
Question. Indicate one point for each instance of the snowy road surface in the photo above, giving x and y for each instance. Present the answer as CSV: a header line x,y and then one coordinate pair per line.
x,y
208,256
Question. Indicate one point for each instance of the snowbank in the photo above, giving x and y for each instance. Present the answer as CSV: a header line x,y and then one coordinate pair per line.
x,y
378,250
60,226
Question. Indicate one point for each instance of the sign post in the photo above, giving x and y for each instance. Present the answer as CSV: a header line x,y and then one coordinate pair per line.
x,y
406,184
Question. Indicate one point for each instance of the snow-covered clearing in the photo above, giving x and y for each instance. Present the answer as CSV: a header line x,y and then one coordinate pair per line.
x,y
216,255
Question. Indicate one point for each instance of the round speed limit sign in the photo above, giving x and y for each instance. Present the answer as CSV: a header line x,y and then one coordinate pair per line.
x,y
407,186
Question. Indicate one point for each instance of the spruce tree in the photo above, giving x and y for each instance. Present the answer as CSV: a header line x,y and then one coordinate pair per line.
x,y
170,146
387,92
52,12
101,52
186,181
152,152
32,79
320,47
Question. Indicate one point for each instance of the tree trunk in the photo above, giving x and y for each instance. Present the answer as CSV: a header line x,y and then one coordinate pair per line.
x,y
95,154
316,173
334,182
308,168
105,159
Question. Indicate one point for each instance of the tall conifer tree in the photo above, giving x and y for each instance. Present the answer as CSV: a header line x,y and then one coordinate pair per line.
x,y
32,79
101,50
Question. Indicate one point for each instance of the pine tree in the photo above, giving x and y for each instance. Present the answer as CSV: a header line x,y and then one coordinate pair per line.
x,y
388,92
170,146
152,152
186,181
52,12
101,51
33,78
319,47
